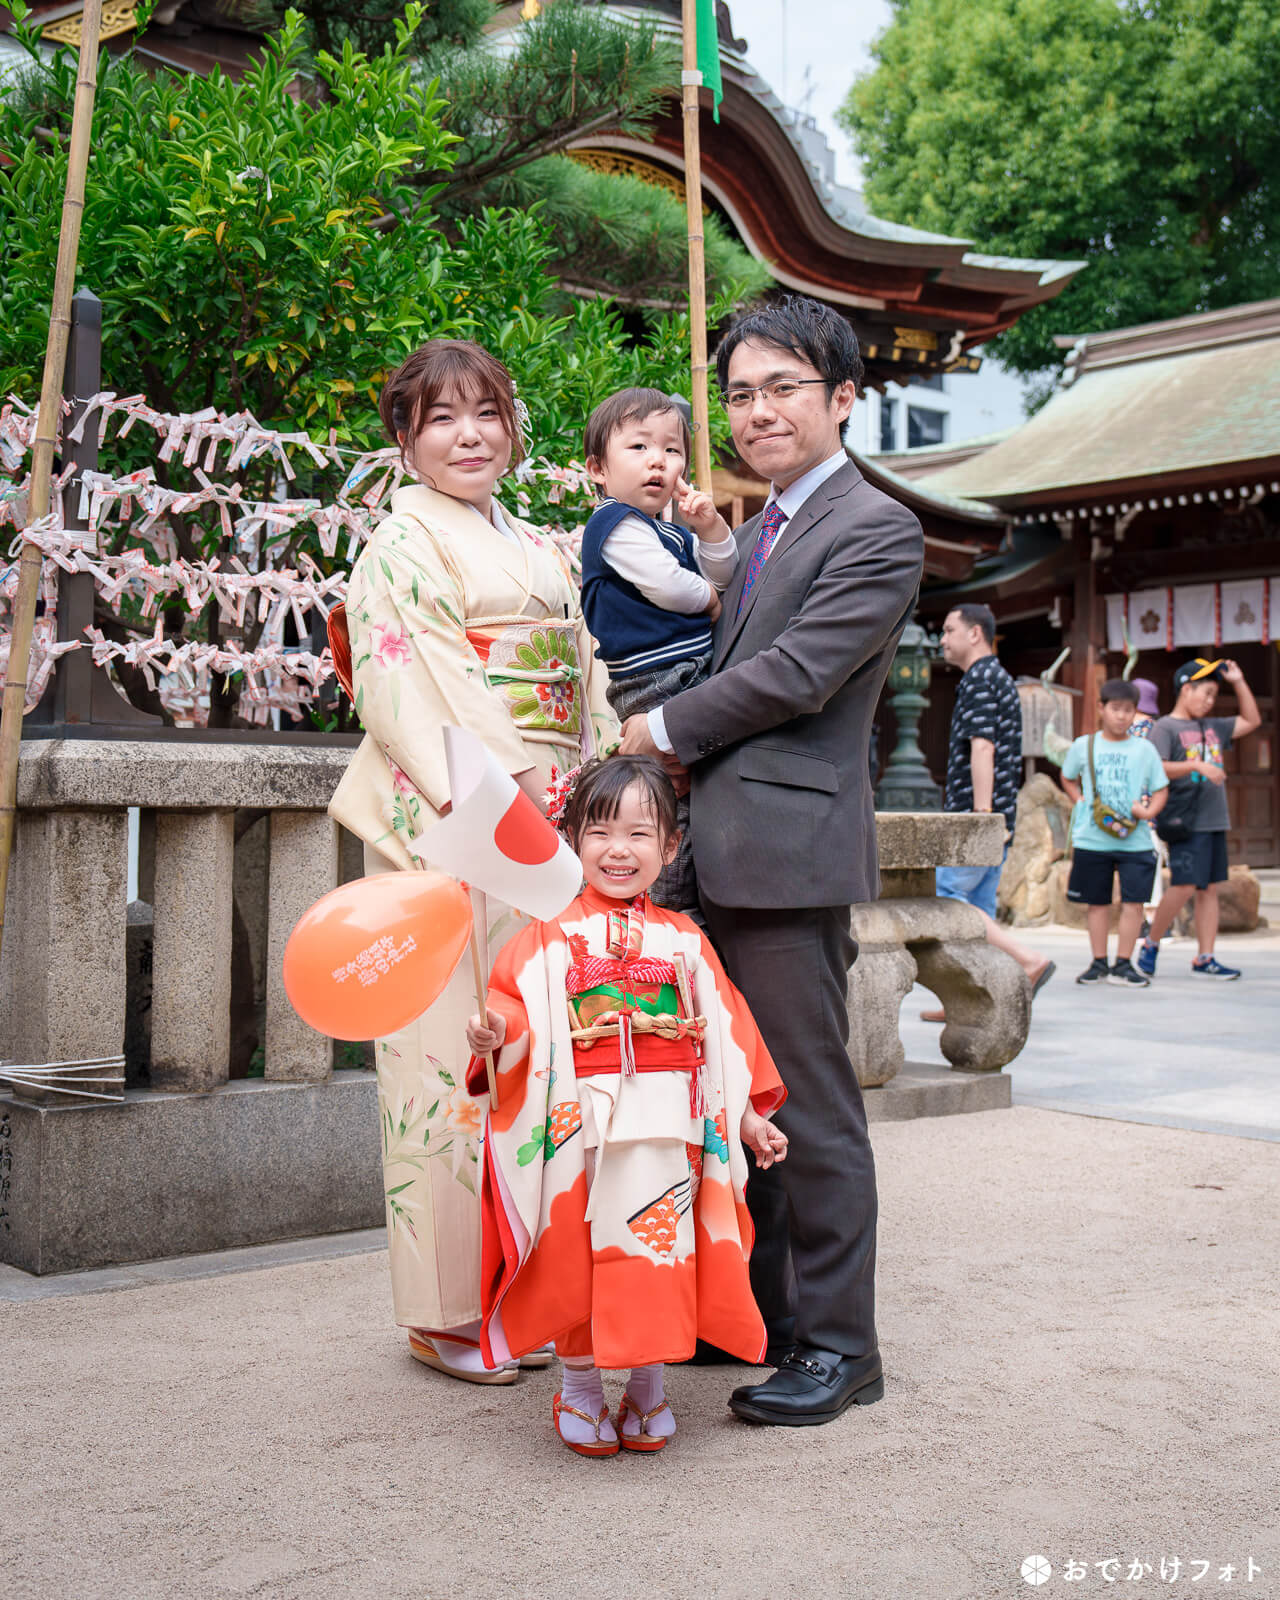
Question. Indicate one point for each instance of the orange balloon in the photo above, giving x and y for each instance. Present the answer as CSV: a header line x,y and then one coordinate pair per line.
x,y
372,955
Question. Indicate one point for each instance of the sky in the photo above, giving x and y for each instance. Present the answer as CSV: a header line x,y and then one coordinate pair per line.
x,y
805,28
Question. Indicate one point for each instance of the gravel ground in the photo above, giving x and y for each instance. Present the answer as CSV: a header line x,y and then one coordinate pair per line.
x,y
1080,1332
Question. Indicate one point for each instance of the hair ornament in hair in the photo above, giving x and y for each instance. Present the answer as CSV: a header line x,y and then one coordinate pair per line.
x,y
560,792
524,422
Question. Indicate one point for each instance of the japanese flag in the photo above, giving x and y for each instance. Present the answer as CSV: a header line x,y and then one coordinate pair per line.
x,y
496,838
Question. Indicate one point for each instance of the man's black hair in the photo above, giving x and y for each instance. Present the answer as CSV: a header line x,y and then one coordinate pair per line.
x,y
975,615
1118,689
809,330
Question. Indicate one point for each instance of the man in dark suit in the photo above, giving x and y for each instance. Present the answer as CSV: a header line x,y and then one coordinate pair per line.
x,y
775,743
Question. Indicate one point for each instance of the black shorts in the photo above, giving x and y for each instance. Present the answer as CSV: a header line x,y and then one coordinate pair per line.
x,y
1199,860
1092,872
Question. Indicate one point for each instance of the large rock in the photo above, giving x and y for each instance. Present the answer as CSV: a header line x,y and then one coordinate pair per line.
x,y
1040,839
1238,902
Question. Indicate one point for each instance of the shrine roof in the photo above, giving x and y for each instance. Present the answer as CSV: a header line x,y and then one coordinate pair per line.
x,y
1168,405
917,300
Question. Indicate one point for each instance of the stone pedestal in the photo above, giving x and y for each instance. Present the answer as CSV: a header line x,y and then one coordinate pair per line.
x,y
909,934
942,943
304,866
62,991
191,960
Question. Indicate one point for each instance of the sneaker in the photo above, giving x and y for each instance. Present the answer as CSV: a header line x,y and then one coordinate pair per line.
x,y
1095,972
1147,958
1211,967
1127,976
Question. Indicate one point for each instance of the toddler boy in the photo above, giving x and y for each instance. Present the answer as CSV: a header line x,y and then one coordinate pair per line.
x,y
650,589
1118,785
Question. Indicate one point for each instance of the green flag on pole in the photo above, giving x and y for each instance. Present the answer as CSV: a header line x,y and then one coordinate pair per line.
x,y
709,53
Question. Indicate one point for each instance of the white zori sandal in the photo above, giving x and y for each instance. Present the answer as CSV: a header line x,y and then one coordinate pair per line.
x,y
456,1359
535,1360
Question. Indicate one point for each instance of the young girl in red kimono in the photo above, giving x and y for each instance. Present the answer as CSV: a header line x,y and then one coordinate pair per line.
x,y
630,1075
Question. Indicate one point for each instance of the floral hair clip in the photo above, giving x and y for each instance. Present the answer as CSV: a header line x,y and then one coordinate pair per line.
x,y
559,793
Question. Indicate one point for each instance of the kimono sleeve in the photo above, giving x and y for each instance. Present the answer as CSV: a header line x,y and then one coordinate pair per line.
x,y
413,667
767,1089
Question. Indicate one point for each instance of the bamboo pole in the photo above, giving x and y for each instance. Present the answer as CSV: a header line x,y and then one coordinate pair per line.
x,y
55,360
690,83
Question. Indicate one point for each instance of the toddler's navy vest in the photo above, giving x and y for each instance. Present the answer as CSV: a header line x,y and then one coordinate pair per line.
x,y
633,634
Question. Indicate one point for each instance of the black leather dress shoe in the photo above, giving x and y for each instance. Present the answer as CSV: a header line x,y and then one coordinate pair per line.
x,y
811,1387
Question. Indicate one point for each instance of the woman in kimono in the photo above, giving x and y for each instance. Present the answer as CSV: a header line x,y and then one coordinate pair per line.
x,y
457,612
630,1078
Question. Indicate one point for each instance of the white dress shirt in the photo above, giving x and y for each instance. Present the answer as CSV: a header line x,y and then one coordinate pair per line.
x,y
639,557
790,500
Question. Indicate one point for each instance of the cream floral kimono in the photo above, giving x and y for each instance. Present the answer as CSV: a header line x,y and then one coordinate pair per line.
x,y
451,622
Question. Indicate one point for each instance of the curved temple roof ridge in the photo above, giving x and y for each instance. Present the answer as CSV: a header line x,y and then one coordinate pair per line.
x,y
846,206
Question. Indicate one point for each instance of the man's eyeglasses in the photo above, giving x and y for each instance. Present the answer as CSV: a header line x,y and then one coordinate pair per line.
x,y
779,392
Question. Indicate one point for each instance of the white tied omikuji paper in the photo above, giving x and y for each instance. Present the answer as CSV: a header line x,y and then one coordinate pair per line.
x,y
471,841
245,585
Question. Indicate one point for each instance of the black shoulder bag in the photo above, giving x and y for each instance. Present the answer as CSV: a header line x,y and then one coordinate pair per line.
x,y
1177,822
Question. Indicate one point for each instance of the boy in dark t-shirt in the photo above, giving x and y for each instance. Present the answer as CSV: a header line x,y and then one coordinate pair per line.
x,y
1192,743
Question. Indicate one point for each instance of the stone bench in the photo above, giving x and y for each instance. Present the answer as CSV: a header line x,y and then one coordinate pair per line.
x,y
909,935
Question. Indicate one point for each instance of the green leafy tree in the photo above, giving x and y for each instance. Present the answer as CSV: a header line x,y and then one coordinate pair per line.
x,y
1142,137
259,250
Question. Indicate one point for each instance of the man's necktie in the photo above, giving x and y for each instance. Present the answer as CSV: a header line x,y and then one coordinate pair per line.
x,y
770,527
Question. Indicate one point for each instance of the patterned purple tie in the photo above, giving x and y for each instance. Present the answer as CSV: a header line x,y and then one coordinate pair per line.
x,y
770,528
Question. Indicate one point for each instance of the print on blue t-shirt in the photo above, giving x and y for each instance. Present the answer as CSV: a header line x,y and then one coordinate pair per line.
x,y
1127,769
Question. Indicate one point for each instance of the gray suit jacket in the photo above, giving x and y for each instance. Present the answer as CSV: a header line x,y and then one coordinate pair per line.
x,y
777,739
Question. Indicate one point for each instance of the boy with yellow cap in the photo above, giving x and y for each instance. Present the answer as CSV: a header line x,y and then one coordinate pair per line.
x,y
1192,743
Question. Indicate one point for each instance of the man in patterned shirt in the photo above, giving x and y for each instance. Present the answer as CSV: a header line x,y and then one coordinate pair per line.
x,y
983,760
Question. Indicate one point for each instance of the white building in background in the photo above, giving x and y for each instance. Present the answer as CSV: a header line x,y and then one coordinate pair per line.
x,y
943,410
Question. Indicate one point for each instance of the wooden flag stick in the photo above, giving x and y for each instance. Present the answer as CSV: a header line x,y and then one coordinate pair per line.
x,y
55,361
480,920
690,83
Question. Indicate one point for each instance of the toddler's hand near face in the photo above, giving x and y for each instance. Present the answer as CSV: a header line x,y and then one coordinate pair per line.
x,y
763,1138
698,511
485,1037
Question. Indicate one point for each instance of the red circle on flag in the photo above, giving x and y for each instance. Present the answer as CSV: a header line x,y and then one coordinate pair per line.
x,y
524,834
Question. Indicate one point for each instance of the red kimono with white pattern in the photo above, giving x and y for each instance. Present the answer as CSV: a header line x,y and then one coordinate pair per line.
x,y
613,1178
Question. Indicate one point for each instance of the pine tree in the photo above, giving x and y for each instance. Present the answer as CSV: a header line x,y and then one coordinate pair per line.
x,y
515,107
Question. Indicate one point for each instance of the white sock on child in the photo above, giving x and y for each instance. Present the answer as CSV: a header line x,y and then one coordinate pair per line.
x,y
581,1388
645,1389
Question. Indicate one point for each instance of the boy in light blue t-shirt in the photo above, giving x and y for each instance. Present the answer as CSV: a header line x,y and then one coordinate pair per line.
x,y
1131,785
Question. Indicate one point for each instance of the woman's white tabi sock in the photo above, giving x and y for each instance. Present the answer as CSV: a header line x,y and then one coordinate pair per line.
x,y
581,1388
645,1389
462,1357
